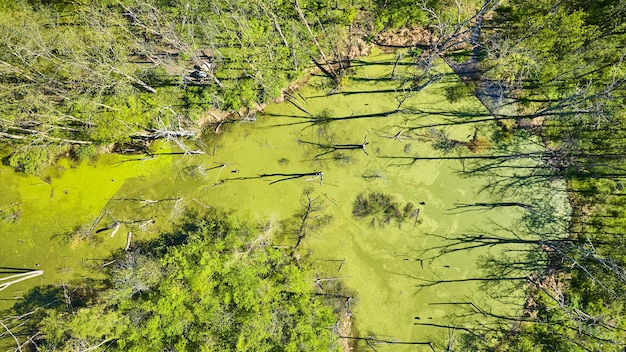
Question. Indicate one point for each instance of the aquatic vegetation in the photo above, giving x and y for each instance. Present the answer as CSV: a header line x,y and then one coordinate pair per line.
x,y
458,92
382,208
11,214
479,144
342,158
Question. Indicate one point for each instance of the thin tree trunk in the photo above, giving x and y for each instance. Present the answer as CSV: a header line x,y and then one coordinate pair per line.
x,y
296,5
272,17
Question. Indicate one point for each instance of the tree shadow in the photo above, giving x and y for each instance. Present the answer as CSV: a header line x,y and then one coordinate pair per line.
x,y
322,119
282,177
21,321
12,270
497,159
333,148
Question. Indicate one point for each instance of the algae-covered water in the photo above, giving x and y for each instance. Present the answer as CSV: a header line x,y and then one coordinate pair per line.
x,y
412,279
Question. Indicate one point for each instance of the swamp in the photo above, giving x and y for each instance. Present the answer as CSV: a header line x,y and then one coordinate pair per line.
x,y
312,175
377,183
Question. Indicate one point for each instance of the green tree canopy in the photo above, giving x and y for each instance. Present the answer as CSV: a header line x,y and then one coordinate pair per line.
x,y
226,288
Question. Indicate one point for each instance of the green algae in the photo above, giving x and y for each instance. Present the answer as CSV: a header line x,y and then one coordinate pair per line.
x,y
53,208
409,278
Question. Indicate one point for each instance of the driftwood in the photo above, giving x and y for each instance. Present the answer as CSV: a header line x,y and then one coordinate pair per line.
x,y
148,201
19,346
108,263
117,227
160,134
19,278
173,136
128,239
97,221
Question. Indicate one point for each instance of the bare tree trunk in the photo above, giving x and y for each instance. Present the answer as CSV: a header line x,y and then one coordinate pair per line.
x,y
128,239
296,5
274,20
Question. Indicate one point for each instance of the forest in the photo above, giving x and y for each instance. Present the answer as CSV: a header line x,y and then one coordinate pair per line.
x,y
81,78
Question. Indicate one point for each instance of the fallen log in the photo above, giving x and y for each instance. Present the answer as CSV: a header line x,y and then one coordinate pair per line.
x,y
19,278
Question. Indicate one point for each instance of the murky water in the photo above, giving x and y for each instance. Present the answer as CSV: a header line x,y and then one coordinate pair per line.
x,y
331,148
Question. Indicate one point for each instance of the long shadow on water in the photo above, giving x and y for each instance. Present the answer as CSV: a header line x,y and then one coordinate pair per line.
x,y
11,270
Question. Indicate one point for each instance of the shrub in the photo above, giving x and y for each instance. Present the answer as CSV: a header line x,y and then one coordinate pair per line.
x,y
383,208
479,144
29,160
458,92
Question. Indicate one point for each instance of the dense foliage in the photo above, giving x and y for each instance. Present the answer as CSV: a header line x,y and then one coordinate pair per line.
x,y
405,13
560,67
562,63
78,75
224,288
